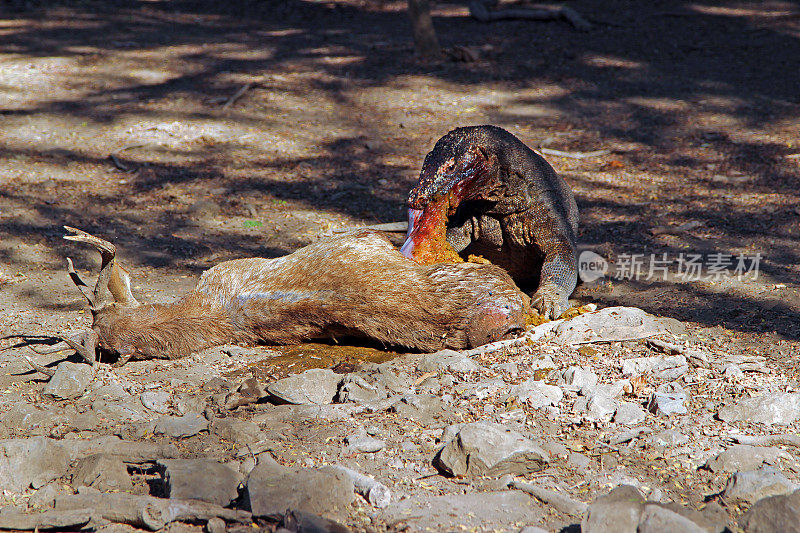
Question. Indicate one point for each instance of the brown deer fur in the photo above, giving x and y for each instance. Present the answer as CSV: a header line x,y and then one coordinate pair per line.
x,y
355,284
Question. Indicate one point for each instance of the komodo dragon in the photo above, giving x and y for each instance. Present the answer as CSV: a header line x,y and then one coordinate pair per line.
x,y
486,193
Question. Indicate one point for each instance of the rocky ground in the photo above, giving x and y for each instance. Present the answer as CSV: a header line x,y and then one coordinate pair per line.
x,y
189,132
612,420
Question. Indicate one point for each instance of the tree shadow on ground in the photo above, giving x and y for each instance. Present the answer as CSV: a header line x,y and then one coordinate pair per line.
x,y
672,87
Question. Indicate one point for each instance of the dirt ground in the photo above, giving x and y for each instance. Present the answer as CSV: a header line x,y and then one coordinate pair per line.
x,y
118,118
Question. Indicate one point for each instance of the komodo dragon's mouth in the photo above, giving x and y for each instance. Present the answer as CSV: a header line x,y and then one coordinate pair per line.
x,y
436,198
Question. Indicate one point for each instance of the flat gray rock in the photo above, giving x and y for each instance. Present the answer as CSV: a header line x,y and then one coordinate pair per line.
x,y
486,449
31,462
446,361
618,511
181,426
424,409
200,479
493,511
745,488
629,414
600,408
577,378
744,457
236,430
103,472
664,403
609,324
658,519
69,381
157,401
778,409
667,367
317,386
537,393
272,489
773,514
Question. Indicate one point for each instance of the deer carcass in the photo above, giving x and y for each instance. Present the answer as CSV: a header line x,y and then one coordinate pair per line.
x,y
355,284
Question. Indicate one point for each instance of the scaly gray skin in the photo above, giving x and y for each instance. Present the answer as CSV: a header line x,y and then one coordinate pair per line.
x,y
516,212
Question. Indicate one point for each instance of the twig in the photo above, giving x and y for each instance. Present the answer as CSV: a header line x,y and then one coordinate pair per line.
x,y
119,164
787,439
373,491
392,227
238,94
574,155
561,502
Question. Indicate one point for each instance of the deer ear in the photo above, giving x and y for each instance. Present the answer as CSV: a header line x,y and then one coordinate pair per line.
x,y
120,286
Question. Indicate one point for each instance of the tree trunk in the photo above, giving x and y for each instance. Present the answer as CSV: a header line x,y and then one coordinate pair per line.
x,y
426,43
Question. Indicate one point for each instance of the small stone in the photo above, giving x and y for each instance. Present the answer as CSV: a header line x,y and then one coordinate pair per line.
x,y
44,498
536,393
157,401
667,367
744,457
481,389
486,449
216,525
745,488
600,407
181,426
423,409
629,414
357,388
238,431
532,529
658,519
776,513
733,373
69,381
668,403
317,386
446,361
365,444
577,378
103,472
617,511
200,479
579,461
669,437
779,409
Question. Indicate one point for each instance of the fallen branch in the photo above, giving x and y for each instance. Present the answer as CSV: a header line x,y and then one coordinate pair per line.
x,y
238,94
479,9
392,227
373,491
561,502
787,439
119,164
19,521
574,155
124,450
147,511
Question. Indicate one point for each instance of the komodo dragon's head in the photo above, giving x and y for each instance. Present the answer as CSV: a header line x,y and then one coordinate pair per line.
x,y
454,171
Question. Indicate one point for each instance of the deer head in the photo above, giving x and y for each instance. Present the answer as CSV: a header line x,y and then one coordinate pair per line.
x,y
112,291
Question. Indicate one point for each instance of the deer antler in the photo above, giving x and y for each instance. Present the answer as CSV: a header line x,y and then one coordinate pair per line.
x,y
113,283
84,344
